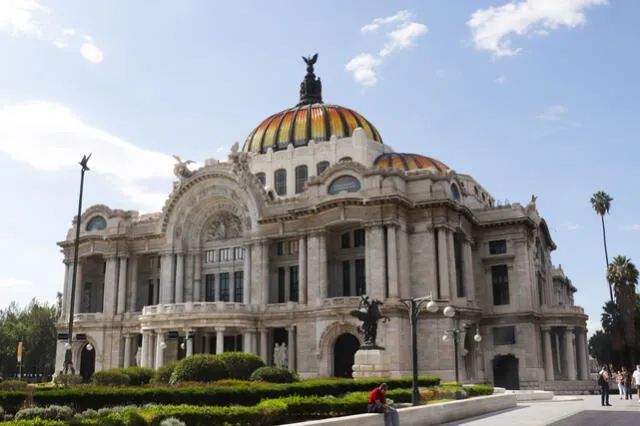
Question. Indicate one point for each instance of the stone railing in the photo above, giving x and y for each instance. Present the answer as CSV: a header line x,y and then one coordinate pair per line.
x,y
562,309
196,307
335,302
88,317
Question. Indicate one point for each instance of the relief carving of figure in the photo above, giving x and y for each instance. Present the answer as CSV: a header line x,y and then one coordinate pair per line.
x,y
280,355
181,170
224,227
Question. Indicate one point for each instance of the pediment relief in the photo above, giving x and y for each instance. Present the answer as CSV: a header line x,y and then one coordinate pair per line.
x,y
224,226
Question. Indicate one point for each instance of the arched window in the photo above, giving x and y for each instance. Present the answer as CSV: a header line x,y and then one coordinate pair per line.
x,y
455,192
302,173
321,167
280,181
262,178
97,223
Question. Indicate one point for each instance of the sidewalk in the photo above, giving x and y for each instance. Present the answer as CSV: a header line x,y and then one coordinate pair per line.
x,y
560,412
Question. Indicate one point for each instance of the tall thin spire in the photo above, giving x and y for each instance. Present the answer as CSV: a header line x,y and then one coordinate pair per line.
x,y
311,87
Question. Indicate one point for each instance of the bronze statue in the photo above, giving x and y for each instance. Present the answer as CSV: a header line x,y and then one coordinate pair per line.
x,y
369,313
310,61
311,87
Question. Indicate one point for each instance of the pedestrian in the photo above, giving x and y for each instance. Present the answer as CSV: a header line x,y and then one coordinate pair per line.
x,y
603,382
626,382
620,382
635,380
378,404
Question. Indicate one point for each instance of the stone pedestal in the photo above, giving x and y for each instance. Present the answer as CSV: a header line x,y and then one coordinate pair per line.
x,y
370,363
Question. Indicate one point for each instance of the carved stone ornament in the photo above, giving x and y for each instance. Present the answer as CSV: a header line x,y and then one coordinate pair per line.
x,y
225,226
181,170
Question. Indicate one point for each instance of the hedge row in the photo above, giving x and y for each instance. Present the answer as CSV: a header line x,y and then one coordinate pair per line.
x,y
95,397
11,401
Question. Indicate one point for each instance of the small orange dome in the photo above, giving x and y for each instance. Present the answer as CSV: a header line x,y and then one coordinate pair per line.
x,y
407,162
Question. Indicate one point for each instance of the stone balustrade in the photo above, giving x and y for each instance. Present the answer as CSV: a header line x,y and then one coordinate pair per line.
x,y
197,307
88,317
562,309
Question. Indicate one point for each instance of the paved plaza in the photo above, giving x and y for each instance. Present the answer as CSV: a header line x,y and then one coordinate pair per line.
x,y
563,411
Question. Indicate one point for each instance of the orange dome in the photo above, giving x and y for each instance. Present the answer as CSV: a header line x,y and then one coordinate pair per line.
x,y
409,162
302,123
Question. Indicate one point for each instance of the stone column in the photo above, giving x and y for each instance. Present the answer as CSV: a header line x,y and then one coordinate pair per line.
x,y
404,268
133,283
548,353
581,348
160,338
392,262
144,356
291,348
66,288
302,270
166,278
585,355
467,265
127,350
197,278
264,272
189,344
188,277
570,353
443,263
207,343
122,285
374,263
453,288
246,341
78,290
322,269
110,285
219,340
179,296
246,275
264,345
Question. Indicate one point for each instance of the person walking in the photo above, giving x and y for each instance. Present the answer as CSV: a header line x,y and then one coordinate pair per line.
x,y
378,404
620,382
603,382
626,383
635,380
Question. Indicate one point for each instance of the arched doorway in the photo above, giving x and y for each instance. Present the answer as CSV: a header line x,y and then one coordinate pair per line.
x,y
87,362
505,372
344,351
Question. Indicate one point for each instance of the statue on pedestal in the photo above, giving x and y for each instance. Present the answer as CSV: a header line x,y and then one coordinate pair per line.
x,y
369,313
280,355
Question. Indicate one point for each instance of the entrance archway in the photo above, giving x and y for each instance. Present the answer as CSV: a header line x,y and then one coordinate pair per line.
x,y
87,363
344,351
505,372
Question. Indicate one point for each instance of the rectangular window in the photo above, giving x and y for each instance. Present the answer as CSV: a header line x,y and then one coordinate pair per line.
x,y
504,335
301,178
280,181
209,256
321,167
281,285
346,278
150,292
280,248
358,238
498,247
293,284
210,288
293,247
238,253
345,240
500,282
225,255
262,178
238,282
361,280
224,287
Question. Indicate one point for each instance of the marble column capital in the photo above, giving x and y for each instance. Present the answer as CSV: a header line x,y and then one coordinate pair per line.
x,y
570,328
316,232
545,328
124,256
219,329
110,256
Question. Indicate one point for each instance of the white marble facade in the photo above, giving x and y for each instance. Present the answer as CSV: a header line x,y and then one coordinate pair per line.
x,y
228,264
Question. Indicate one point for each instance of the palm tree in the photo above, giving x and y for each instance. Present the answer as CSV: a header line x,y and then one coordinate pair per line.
x,y
622,274
601,203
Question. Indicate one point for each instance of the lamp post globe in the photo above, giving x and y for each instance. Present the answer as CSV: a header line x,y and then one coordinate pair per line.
x,y
432,307
445,338
449,312
477,338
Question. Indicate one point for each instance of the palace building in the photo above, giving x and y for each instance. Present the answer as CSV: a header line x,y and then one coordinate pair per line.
x,y
269,252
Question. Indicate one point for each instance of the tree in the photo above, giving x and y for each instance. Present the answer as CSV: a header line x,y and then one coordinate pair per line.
x,y
601,203
622,274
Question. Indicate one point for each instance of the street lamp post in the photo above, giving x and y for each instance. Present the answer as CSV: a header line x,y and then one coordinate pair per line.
x,y
414,305
68,357
455,332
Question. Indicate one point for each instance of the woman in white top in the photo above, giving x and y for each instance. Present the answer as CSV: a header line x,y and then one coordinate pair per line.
x,y
635,380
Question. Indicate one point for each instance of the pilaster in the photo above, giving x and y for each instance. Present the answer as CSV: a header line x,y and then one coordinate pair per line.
x,y
375,268
133,283
302,269
443,264
570,353
548,353
110,285
246,275
179,294
219,340
392,262
122,284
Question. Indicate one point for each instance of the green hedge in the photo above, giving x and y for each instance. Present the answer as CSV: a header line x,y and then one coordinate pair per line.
x,y
97,397
274,375
12,400
240,364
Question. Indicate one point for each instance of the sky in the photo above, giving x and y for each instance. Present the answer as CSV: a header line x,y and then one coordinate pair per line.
x,y
529,97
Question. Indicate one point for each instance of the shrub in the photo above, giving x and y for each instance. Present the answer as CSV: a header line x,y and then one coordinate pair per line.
x,y
172,421
138,376
479,390
12,400
241,364
199,368
163,374
13,385
275,375
67,380
53,412
110,378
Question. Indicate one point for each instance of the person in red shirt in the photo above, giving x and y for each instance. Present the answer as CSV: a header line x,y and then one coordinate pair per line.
x,y
378,404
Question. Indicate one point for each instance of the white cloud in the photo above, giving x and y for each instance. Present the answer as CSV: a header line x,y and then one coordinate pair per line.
x,y
593,325
492,27
29,18
634,227
362,68
402,36
500,80
91,53
554,113
570,226
48,136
